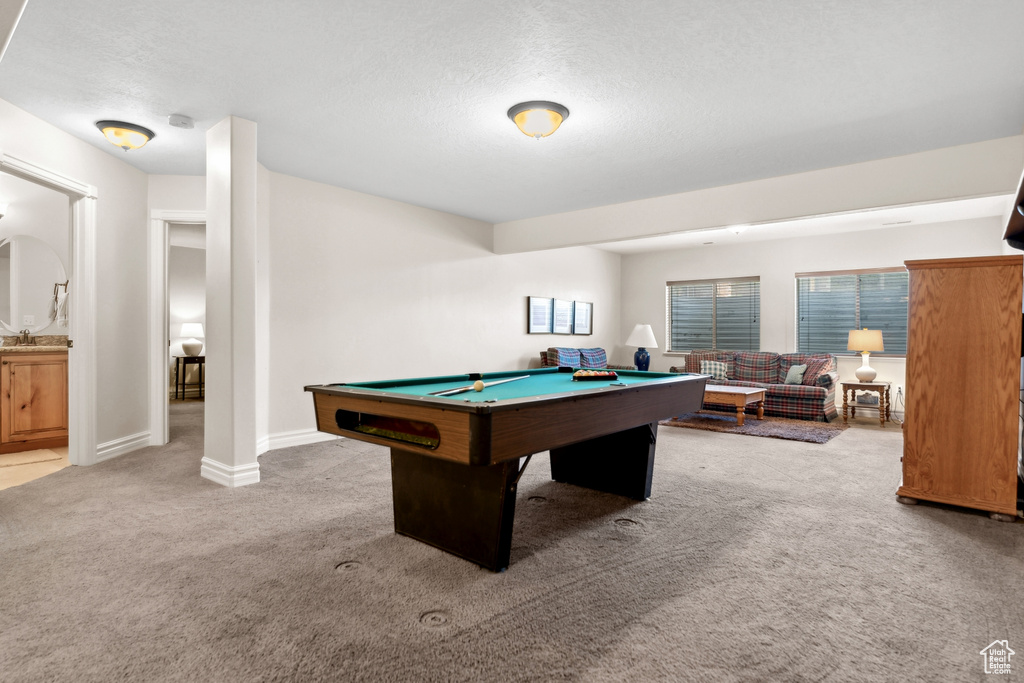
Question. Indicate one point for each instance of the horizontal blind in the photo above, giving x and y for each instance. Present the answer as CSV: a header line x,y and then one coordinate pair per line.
x,y
883,306
829,306
691,310
714,314
826,310
738,316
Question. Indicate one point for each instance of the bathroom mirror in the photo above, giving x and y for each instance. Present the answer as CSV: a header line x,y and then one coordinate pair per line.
x,y
31,278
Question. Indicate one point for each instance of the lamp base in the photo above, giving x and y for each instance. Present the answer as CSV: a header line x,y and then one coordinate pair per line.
x,y
192,347
866,373
642,359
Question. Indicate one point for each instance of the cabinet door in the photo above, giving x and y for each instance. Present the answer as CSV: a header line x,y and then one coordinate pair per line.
x,y
34,390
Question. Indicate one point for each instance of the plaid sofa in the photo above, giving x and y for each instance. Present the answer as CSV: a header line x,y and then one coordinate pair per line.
x,y
815,399
578,358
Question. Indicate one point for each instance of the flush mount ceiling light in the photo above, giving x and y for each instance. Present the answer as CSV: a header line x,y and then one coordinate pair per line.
x,y
125,135
539,118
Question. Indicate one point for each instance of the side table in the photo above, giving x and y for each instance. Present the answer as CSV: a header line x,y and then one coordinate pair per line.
x,y
181,364
850,390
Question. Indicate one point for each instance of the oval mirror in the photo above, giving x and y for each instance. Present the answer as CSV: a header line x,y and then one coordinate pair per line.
x,y
31,277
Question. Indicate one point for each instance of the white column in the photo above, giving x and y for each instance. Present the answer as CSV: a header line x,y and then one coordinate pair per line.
x,y
231,241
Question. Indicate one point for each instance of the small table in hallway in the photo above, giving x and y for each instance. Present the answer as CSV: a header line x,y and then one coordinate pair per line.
x,y
181,364
850,389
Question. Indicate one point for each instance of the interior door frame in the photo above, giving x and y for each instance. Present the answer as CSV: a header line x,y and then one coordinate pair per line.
x,y
81,302
159,314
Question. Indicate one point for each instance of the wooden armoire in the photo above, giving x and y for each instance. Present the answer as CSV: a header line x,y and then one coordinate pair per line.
x,y
963,383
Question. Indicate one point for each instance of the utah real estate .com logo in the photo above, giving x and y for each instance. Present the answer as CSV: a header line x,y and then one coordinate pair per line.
x,y
997,657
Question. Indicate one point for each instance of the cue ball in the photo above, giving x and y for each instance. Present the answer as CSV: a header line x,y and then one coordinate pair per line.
x,y
478,385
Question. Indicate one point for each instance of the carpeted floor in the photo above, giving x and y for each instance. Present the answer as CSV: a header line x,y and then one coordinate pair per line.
x,y
770,427
755,560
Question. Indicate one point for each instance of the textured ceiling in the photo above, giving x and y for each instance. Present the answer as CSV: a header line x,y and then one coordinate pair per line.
x,y
407,99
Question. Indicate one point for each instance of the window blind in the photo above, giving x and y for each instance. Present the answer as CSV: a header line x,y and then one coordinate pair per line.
x,y
829,306
714,314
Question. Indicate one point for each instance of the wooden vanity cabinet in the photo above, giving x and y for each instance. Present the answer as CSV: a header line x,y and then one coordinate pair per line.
x,y
33,401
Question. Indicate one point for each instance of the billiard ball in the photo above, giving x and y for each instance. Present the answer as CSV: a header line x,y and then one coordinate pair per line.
x,y
478,385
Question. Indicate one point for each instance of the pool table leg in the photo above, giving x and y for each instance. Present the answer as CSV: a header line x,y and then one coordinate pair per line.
x,y
621,463
461,509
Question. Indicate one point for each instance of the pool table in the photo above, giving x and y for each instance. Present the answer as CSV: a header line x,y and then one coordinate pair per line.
x,y
456,460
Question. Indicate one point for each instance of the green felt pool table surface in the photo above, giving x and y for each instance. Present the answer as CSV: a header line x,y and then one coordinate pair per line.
x,y
538,382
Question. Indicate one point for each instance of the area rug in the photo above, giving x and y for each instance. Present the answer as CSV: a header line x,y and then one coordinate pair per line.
x,y
771,427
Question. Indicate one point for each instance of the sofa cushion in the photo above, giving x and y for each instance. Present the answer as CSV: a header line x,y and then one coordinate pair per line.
x,y
788,360
693,359
795,375
816,367
757,366
715,368
593,358
564,357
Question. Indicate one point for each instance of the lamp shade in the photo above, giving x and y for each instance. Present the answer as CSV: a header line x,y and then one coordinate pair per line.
x,y
643,337
865,340
192,330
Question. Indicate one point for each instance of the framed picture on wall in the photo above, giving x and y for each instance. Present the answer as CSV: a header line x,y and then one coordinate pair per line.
x,y
582,317
538,315
562,317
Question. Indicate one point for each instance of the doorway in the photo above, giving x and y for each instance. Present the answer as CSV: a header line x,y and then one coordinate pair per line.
x,y
189,232
186,306
80,226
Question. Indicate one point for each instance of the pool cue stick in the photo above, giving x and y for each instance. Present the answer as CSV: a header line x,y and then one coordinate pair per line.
x,y
470,387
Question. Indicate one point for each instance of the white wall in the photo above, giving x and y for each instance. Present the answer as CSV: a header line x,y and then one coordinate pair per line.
x,y
367,288
777,262
980,169
177,192
121,280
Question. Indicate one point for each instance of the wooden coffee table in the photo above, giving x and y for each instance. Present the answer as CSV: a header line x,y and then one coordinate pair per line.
x,y
736,396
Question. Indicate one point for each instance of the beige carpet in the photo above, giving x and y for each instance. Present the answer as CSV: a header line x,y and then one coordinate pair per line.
x,y
755,560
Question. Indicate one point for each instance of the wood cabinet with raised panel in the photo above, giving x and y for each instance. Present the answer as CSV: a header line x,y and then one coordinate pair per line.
x,y
33,401
963,383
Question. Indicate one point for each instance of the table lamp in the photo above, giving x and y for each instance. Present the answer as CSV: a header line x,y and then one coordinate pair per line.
x,y
865,341
192,346
642,336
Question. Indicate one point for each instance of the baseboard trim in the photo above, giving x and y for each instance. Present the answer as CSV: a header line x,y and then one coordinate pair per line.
x,y
126,444
299,437
230,476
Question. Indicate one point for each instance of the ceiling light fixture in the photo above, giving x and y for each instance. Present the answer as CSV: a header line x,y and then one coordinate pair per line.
x,y
125,135
539,118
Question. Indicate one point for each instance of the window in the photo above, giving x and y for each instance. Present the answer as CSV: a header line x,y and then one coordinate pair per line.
x,y
714,314
829,305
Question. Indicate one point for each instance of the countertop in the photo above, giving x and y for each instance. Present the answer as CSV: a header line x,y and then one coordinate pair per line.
x,y
33,349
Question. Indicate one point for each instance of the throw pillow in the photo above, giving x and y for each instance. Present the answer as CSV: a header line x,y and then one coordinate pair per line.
x,y
717,369
816,367
796,374
593,358
564,357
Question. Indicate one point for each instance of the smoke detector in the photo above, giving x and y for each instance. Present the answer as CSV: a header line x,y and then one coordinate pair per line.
x,y
181,121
